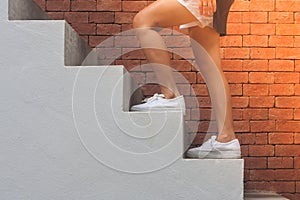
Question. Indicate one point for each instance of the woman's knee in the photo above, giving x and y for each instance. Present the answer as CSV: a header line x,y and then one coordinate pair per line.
x,y
142,19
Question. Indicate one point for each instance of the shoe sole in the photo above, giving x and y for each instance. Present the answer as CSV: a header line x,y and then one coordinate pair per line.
x,y
160,109
217,155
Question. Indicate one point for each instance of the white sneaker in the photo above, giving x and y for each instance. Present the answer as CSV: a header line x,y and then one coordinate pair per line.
x,y
159,102
215,150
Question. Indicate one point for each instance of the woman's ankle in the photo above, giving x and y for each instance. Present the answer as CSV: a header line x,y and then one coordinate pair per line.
x,y
225,137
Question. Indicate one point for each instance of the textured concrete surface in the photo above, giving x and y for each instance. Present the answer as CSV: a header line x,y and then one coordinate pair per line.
x,y
66,132
25,10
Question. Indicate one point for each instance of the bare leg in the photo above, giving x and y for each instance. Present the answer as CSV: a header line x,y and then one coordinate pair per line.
x,y
215,79
161,13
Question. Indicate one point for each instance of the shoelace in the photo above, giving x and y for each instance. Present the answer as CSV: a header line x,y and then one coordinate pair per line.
x,y
154,97
212,139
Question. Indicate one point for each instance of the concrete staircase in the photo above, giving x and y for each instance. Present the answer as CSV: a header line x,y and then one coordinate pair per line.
x,y
66,131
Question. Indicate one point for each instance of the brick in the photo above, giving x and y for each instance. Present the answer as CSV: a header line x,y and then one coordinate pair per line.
x,y
83,5
262,29
262,5
181,65
236,89
286,77
262,102
296,162
133,5
297,17
109,29
232,65
287,150
280,162
262,125
255,17
281,41
76,17
255,41
85,28
236,53
124,17
234,17
298,186
262,53
255,89
200,89
101,17
261,138
190,77
297,89
297,114
231,41
236,77
241,126
96,40
281,138
281,65
287,53
200,78
240,5
261,77
262,175
290,5
109,5
261,150
284,125
287,29
253,113
297,41
238,29
204,102
288,102
281,17
287,174
62,5
255,65
57,15
297,65
247,138
246,174
297,138
240,102
277,113
255,162
245,150
281,89
237,114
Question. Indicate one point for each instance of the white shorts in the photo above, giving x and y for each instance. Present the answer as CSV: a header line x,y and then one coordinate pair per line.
x,y
193,7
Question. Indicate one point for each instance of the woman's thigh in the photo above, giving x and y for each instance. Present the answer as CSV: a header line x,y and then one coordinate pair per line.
x,y
163,13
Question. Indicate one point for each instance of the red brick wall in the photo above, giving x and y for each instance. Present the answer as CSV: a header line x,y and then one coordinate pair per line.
x,y
261,60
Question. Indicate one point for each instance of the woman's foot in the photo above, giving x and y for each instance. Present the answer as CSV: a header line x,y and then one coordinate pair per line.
x,y
159,102
212,149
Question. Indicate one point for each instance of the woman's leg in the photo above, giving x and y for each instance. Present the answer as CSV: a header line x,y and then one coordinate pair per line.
x,y
161,13
215,79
